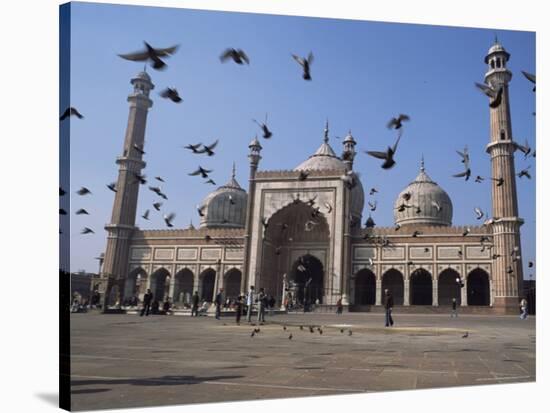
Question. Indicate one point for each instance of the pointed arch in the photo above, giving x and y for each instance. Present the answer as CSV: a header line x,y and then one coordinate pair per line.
x,y
183,286
365,287
421,292
478,288
448,288
392,280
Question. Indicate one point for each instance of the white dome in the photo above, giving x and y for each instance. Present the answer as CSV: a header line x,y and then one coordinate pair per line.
x,y
427,196
225,207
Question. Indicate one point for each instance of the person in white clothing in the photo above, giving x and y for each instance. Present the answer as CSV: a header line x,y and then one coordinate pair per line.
x,y
249,303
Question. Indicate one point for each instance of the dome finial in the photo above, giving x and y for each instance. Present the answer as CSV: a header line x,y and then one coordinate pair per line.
x,y
233,171
422,163
325,139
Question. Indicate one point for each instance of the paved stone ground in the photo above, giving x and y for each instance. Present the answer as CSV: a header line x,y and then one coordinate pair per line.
x,y
127,361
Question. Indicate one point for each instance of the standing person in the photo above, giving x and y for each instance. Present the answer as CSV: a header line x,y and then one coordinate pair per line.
x,y
218,301
147,298
271,304
454,312
166,306
389,307
262,301
195,304
523,307
339,306
249,303
239,309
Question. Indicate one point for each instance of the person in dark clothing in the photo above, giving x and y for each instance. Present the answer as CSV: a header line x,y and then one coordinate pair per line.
x,y
195,304
388,305
147,298
218,301
166,306
155,307
239,309
339,306
454,313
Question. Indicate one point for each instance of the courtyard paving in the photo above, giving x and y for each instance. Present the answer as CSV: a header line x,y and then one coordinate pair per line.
x,y
122,361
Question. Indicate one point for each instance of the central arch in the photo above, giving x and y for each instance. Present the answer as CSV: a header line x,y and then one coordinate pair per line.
x,y
306,278
299,229
232,283
365,287
392,280
421,287
448,288
207,282
478,288
160,281
183,286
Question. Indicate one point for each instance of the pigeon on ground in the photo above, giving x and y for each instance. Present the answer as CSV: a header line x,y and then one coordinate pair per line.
x,y
397,123
350,332
416,233
172,94
465,335
305,63
290,336
70,111
152,54
237,55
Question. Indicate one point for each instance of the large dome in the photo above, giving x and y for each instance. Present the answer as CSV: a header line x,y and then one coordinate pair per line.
x,y
225,207
428,204
325,159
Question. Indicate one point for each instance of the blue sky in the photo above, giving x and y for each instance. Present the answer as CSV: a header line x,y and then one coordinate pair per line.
x,y
363,74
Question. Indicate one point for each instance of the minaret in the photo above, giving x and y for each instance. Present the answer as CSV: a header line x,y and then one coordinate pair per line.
x,y
348,155
254,158
115,266
507,285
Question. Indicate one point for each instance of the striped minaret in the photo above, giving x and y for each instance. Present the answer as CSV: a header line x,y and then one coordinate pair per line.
x,y
507,273
122,225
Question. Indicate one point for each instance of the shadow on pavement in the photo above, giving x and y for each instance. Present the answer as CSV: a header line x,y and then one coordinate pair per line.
x,y
159,381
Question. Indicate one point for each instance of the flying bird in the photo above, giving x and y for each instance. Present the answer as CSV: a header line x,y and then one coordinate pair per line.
x,y
372,206
373,191
82,211
499,181
397,123
303,176
112,186
479,179
524,172
265,130
525,149
70,111
509,270
157,190
305,63
200,210
531,78
146,215
466,161
237,55
387,156
310,225
466,231
83,191
479,213
152,54
62,211
201,171
172,94
168,219
406,196
311,201
530,264
142,179
210,181
208,149
87,230
139,148
436,205
194,148
494,95
61,191
159,178
157,205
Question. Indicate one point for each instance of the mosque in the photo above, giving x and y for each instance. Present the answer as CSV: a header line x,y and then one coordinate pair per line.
x,y
300,231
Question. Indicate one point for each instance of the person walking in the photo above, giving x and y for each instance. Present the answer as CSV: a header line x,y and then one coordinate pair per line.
x,y
262,303
218,301
238,309
195,304
339,306
523,308
388,305
147,298
249,303
454,312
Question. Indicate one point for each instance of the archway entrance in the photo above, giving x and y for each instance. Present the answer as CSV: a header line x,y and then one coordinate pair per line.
x,y
365,287
160,281
232,284
393,281
297,231
421,287
183,286
135,283
448,288
478,288
306,280
207,281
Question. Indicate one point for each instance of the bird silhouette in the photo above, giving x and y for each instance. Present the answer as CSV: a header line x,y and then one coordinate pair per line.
x,y
372,205
61,191
237,55
524,172
157,205
373,191
305,63
465,335
83,191
62,211
328,207
159,178
201,171
172,94
387,156
151,54
208,149
479,179
82,211
142,179
290,336
466,231
494,95
266,133
168,219
210,181
479,213
303,175
139,148
194,148
466,161
146,215
531,78
525,149
112,186
87,230
436,205
397,123
71,111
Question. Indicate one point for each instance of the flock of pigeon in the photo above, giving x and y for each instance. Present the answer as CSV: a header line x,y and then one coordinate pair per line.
x,y
156,56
